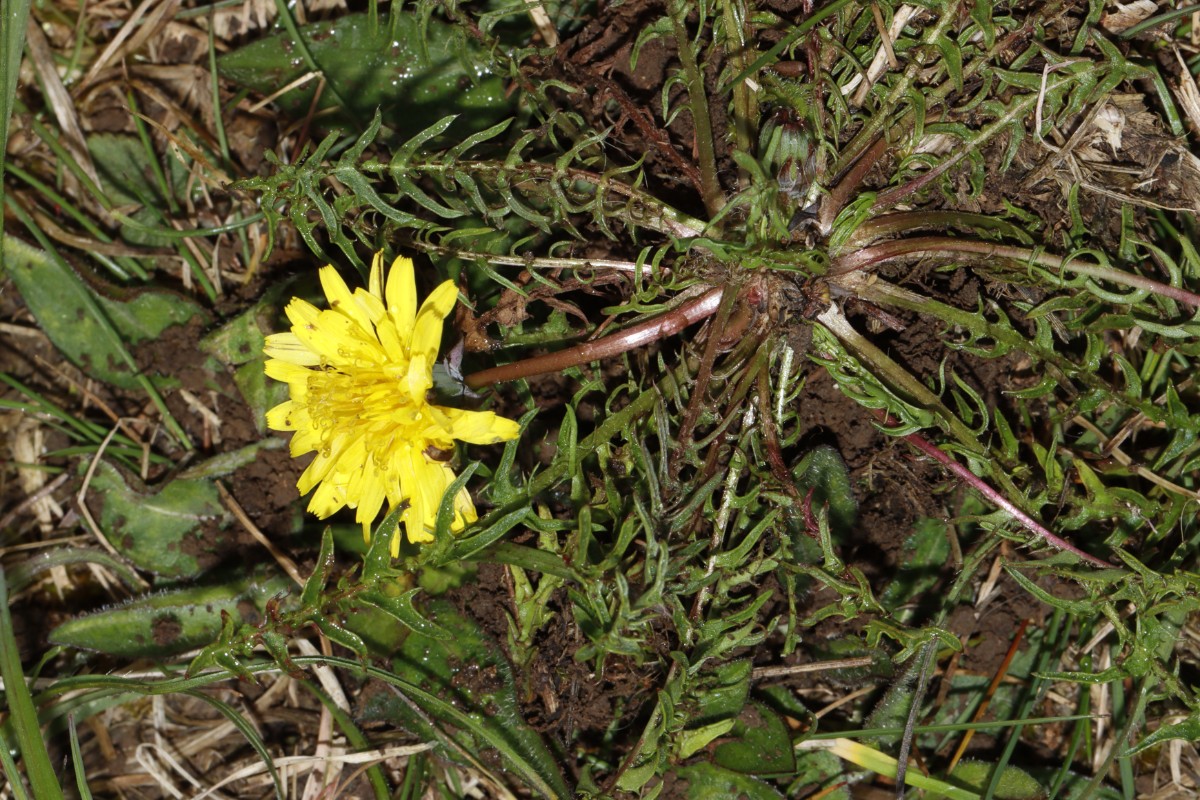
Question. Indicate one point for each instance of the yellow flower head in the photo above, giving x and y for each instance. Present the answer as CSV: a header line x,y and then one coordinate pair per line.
x,y
359,377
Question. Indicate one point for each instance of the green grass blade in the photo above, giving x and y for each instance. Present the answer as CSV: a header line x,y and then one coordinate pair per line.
x,y
247,729
355,737
15,784
77,762
24,715
14,15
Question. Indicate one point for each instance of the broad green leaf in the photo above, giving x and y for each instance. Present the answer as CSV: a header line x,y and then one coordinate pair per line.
x,y
231,461
91,330
725,694
128,180
696,739
891,711
468,670
415,74
710,782
178,531
187,506
260,393
163,625
146,314
1073,786
1014,784
759,744
823,471
819,767
241,339
925,553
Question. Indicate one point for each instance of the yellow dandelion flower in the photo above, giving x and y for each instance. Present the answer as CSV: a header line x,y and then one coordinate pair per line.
x,y
359,376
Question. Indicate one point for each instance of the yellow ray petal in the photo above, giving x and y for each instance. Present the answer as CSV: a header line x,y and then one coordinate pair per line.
x,y
325,332
393,345
350,452
289,373
341,300
375,281
402,296
476,427
279,418
304,440
399,474
435,479
327,500
301,313
372,495
371,305
358,377
341,341
429,484
316,472
288,347
419,380
427,331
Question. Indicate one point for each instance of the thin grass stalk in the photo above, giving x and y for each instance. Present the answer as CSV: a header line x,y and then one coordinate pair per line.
x,y
928,659
947,727
215,89
81,783
160,176
8,767
66,159
997,679
121,266
354,737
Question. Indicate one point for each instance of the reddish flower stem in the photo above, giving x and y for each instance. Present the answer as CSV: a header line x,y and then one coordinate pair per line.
x,y
632,338
925,446
945,245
